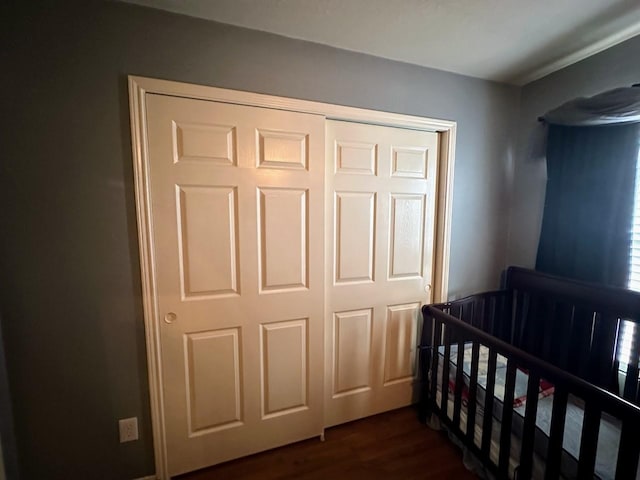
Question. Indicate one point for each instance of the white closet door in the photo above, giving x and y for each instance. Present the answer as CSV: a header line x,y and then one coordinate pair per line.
x,y
237,211
381,185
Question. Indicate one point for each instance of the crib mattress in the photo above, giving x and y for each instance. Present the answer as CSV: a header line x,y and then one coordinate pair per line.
x,y
608,438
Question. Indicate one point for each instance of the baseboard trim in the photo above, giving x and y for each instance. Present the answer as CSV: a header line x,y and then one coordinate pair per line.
x,y
150,477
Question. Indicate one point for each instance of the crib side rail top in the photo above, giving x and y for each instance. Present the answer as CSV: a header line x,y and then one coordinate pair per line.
x,y
607,300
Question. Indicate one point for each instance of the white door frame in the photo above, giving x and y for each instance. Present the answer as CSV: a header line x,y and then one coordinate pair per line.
x,y
140,86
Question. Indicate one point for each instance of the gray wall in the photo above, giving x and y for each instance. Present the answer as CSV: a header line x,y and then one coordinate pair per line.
x,y
71,296
616,67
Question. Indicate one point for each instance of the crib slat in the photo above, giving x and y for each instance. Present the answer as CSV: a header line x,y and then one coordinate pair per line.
x,y
492,323
444,405
634,361
580,344
507,415
561,334
435,357
628,451
519,319
478,313
533,327
504,317
602,351
631,383
630,391
545,311
487,421
524,322
504,327
425,347
589,442
473,390
486,314
556,434
456,311
549,323
457,403
466,314
528,431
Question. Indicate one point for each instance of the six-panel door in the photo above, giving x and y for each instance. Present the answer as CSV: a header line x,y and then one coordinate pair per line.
x,y
237,211
380,214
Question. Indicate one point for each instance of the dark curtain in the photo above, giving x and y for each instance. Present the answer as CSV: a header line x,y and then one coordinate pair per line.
x,y
586,225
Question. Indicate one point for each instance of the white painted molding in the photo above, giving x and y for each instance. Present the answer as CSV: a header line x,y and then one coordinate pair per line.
x,y
137,111
596,47
444,194
334,112
139,87
150,477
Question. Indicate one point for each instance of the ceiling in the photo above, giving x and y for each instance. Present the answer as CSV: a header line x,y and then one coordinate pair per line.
x,y
512,41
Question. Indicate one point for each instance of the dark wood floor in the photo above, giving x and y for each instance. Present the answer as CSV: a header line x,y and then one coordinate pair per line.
x,y
392,445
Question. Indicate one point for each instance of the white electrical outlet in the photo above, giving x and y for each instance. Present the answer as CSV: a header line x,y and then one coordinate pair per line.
x,y
128,429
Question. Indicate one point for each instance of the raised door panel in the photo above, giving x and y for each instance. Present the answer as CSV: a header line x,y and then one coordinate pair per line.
x,y
285,150
406,236
284,367
354,236
208,240
204,142
409,162
400,342
359,158
214,389
352,360
283,239
237,199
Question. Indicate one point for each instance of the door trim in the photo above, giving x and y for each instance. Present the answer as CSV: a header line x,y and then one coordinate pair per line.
x,y
139,87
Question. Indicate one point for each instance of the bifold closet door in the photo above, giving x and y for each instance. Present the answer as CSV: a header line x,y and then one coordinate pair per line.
x,y
380,231
237,199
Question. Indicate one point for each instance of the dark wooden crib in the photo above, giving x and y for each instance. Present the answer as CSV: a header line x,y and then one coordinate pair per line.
x,y
540,330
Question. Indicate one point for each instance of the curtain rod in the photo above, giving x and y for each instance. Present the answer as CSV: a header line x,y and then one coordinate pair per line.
x,y
635,85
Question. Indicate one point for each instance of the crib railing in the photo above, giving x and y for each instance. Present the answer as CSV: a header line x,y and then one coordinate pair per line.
x,y
576,326
576,329
442,329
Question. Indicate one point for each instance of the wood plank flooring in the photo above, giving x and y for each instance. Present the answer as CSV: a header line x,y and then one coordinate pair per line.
x,y
392,445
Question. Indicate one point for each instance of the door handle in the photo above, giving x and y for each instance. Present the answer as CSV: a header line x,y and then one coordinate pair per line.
x,y
427,288
170,317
